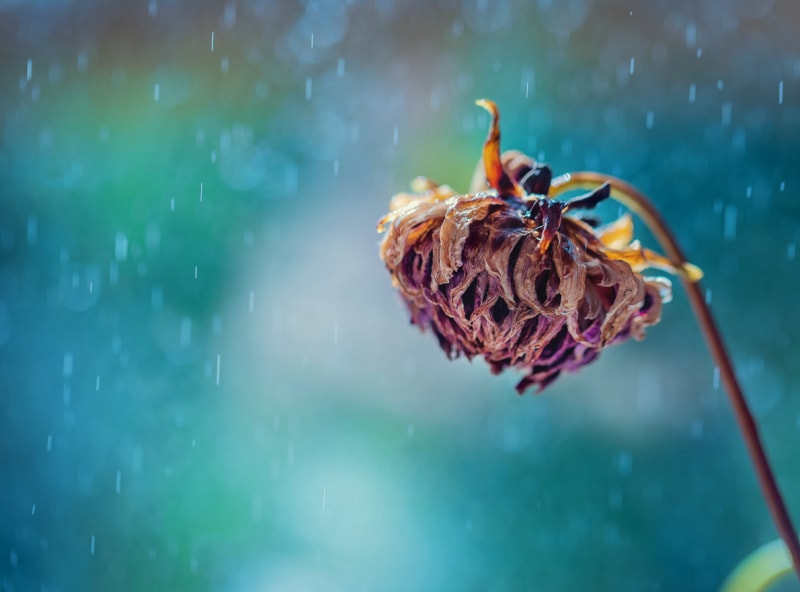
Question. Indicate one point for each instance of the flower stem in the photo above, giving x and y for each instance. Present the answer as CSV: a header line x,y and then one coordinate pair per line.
x,y
632,198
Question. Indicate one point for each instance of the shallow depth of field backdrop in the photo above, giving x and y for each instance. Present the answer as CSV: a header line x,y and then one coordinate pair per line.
x,y
207,382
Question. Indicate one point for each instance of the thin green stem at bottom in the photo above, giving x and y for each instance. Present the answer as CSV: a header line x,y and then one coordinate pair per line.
x,y
633,199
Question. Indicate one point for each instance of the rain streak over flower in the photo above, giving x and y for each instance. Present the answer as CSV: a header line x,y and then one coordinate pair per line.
x,y
509,273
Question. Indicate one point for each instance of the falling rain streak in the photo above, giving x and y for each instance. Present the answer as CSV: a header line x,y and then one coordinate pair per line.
x,y
726,114
729,224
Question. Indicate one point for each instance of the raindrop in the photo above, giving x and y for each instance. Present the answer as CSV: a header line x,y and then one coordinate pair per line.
x,y
229,16
219,363
729,224
308,88
32,230
49,442
78,287
29,71
66,366
91,546
633,63
33,509
697,429
726,114
791,250
691,35
97,383
212,41
625,463
716,378
483,17
156,92
649,120
692,92
720,85
152,8
780,93
708,295
186,332
121,246
699,53
201,192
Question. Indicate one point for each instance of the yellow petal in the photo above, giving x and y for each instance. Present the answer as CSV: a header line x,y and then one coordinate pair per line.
x,y
617,234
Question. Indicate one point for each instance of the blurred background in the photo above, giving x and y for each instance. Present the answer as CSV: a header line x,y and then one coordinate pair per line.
x,y
207,380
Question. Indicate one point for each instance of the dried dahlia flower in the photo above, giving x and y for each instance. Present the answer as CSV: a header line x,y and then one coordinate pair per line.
x,y
509,273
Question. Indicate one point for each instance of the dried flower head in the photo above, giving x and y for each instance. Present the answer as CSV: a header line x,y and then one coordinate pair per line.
x,y
509,273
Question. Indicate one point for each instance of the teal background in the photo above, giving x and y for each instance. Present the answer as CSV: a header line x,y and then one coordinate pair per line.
x,y
207,382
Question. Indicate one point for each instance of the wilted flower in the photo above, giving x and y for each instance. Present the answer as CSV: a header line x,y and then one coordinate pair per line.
x,y
509,273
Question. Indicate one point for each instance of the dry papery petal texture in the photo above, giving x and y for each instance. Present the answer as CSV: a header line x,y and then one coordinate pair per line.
x,y
509,274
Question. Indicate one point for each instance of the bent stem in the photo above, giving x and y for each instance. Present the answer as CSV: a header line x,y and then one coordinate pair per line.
x,y
633,199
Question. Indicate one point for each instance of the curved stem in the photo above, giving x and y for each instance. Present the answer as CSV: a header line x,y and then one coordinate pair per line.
x,y
632,198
